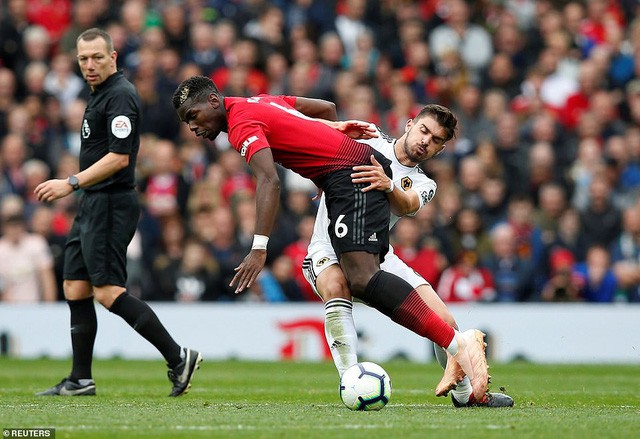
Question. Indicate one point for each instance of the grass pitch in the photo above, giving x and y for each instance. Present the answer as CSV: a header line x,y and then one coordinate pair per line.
x,y
300,400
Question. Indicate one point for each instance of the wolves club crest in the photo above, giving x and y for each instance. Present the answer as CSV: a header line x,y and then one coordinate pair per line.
x,y
406,183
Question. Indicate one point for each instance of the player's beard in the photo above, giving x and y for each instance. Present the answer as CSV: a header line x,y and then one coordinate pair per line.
x,y
413,158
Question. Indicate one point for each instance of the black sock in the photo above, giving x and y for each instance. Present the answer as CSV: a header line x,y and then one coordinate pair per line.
x,y
141,317
84,327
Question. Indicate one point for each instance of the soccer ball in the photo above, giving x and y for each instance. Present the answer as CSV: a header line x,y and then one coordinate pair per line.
x,y
365,386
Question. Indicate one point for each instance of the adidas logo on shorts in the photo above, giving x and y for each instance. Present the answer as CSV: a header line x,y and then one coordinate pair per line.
x,y
373,238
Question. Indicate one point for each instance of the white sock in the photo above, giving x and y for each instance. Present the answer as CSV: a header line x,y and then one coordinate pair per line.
x,y
453,346
462,391
441,355
340,331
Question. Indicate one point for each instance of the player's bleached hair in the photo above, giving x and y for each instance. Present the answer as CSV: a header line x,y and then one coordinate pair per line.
x,y
93,33
196,88
442,115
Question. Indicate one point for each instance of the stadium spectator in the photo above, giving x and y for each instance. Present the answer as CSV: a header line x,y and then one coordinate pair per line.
x,y
62,82
42,223
551,202
466,280
426,260
501,74
13,153
267,29
84,16
296,252
472,178
203,50
26,262
625,256
175,26
459,34
475,127
12,26
601,219
623,170
597,281
403,107
520,216
494,200
467,232
512,274
350,24
563,284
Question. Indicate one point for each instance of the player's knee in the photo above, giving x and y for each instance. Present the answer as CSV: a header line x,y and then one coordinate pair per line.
x,y
336,289
76,290
358,283
107,295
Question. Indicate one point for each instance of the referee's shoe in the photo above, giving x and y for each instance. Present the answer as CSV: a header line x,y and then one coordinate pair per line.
x,y
69,387
181,375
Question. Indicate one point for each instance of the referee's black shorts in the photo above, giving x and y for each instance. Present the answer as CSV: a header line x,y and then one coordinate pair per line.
x,y
358,221
96,249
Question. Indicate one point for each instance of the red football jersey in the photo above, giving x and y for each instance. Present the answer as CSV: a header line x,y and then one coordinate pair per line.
x,y
297,142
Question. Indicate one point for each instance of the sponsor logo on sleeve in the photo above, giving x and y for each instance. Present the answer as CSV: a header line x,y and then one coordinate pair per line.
x,y
121,127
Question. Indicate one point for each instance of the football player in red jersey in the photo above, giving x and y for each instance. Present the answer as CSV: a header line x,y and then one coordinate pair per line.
x,y
268,129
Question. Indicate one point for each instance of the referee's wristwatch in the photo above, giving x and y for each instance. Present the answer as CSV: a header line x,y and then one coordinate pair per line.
x,y
74,182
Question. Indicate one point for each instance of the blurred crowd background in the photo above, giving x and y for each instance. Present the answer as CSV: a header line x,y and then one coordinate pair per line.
x,y
537,196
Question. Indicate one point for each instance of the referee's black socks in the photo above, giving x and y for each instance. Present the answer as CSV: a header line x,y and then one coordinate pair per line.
x,y
141,317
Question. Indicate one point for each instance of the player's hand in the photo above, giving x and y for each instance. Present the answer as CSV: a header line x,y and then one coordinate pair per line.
x,y
248,270
357,129
51,190
373,174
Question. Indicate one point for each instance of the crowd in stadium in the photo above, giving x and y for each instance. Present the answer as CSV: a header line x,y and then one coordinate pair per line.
x,y
537,195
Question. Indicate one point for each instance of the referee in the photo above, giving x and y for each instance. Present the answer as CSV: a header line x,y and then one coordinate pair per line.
x,y
96,249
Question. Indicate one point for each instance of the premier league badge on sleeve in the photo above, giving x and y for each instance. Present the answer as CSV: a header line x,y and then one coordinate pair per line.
x,y
86,131
427,196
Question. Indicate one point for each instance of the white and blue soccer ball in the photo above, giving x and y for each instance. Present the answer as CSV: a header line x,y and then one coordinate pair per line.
x,y
365,386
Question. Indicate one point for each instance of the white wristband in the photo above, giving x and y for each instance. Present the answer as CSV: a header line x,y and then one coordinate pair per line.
x,y
260,242
393,185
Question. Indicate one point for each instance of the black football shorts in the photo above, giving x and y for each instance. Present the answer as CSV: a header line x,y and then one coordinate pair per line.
x,y
96,249
359,221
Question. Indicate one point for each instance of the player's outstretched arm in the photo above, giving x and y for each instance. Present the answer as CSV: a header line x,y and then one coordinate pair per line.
x,y
356,129
316,108
267,203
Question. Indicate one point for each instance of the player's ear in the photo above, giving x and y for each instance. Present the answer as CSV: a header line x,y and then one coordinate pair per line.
x,y
214,100
408,125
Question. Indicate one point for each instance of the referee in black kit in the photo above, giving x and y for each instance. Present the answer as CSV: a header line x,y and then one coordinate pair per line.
x,y
96,249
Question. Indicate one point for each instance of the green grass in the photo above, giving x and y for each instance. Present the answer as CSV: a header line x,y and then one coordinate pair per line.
x,y
300,400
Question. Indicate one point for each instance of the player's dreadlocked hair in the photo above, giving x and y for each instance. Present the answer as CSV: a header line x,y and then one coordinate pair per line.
x,y
195,88
443,116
